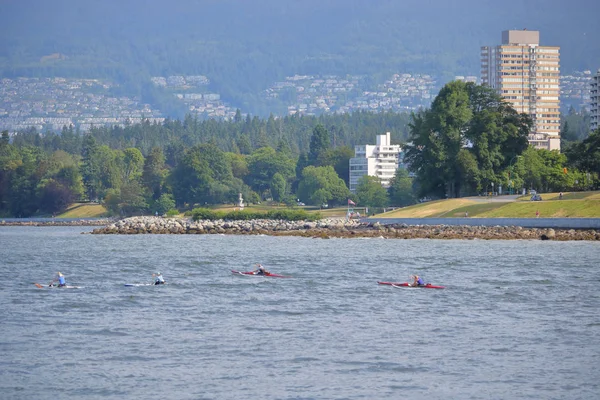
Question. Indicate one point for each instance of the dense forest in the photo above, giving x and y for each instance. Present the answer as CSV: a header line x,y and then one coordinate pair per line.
x,y
243,47
465,143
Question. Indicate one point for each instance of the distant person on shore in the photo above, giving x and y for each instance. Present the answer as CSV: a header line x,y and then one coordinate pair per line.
x,y
260,270
560,196
466,214
417,281
59,279
537,213
158,279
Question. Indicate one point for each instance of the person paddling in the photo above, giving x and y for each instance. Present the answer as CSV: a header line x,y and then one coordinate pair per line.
x,y
60,278
417,281
261,270
158,279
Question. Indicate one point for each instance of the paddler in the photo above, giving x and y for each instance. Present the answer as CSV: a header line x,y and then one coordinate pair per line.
x,y
158,279
260,270
60,278
417,281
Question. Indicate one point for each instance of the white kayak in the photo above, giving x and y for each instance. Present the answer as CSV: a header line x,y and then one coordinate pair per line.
x,y
57,287
142,284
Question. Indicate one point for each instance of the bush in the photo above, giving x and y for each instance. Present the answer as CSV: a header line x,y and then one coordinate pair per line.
x,y
173,212
246,215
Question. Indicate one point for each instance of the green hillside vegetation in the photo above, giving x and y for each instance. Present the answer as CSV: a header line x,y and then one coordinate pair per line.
x,y
572,205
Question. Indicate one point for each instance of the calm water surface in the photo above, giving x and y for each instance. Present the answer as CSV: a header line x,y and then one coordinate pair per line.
x,y
518,319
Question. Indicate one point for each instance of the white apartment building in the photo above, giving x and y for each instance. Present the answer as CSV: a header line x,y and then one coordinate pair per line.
x,y
526,75
595,102
380,160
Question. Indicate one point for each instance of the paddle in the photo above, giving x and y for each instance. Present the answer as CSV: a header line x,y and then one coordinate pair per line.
x,y
42,286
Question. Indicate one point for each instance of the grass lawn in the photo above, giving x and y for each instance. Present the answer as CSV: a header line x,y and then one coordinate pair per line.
x,y
84,210
547,208
572,205
432,209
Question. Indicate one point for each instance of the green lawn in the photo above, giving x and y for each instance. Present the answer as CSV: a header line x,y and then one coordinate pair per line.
x,y
572,205
84,210
547,208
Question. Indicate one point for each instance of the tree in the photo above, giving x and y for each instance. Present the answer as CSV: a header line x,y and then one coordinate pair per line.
x,y
202,176
278,187
239,164
425,156
586,155
370,192
320,143
23,199
132,199
55,197
154,172
339,158
465,141
401,189
244,144
133,164
320,185
263,164
90,170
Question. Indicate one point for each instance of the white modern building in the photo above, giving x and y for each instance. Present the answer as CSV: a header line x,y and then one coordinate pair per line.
x,y
595,102
380,160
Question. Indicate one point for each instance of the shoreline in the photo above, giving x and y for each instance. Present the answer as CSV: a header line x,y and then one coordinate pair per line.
x,y
339,228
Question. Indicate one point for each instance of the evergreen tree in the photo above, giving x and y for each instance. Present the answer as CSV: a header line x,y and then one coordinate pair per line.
x,y
320,143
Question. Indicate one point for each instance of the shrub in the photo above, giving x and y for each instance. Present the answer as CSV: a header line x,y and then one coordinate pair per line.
x,y
172,212
246,215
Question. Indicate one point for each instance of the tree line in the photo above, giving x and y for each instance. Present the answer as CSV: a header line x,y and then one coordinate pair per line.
x,y
147,168
468,142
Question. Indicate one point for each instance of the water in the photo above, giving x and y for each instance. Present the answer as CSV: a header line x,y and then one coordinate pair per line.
x,y
518,319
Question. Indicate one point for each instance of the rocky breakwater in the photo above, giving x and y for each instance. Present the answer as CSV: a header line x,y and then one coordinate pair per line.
x,y
56,222
338,228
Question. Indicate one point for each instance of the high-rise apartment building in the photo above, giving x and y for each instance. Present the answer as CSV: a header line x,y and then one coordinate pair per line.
x,y
526,75
595,102
380,160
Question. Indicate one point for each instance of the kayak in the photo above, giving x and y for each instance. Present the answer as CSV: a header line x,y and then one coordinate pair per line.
x,y
233,271
406,284
57,287
139,284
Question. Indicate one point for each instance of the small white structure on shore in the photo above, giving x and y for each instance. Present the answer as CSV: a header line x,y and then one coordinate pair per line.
x,y
240,201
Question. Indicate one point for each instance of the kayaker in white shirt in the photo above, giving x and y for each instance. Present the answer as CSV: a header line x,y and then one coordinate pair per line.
x,y
158,279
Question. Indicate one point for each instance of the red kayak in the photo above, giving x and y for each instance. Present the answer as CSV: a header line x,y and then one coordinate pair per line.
x,y
255,274
406,284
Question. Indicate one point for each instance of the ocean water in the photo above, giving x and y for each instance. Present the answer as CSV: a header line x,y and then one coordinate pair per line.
x,y
517,320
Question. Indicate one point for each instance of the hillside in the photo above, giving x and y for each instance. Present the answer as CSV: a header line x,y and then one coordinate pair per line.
x,y
243,47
